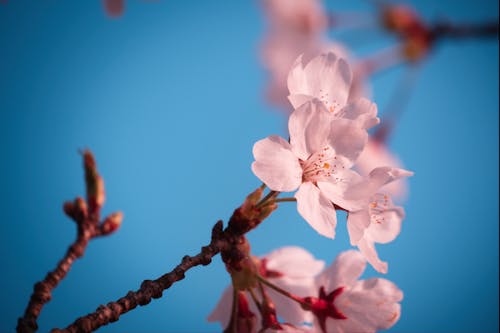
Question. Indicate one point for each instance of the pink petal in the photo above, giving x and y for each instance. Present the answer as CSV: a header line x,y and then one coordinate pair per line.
x,y
222,311
376,154
357,223
347,138
367,247
276,165
373,304
295,261
328,79
316,209
385,226
338,185
297,81
344,271
288,309
299,99
362,111
309,126
377,178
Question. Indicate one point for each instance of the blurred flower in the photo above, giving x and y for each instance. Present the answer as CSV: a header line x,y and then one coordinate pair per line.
x,y
328,78
298,27
375,154
379,220
291,268
346,304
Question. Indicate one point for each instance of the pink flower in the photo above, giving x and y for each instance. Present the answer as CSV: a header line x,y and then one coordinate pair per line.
x,y
328,78
291,268
299,16
346,304
379,220
317,161
375,154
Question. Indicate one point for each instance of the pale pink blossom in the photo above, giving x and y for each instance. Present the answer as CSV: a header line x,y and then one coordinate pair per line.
x,y
379,221
278,53
317,161
291,268
299,16
376,154
346,304
328,78
294,27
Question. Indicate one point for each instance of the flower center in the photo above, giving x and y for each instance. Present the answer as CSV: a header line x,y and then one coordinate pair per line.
x,y
321,165
323,307
378,205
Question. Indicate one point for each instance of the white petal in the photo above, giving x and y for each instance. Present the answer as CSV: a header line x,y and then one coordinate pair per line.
x,y
276,165
294,261
309,126
316,209
344,271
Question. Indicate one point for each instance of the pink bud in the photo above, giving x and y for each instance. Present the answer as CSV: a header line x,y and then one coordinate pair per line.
x,y
111,223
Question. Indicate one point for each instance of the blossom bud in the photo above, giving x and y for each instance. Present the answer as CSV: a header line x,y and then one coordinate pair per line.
x,y
77,210
416,47
111,223
399,18
93,182
250,201
265,211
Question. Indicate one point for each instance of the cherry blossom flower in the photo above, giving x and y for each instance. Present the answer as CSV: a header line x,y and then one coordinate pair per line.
x,y
379,220
295,27
328,78
346,304
317,160
291,268
375,154
300,16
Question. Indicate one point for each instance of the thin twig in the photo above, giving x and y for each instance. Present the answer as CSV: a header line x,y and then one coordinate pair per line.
x,y
86,215
149,289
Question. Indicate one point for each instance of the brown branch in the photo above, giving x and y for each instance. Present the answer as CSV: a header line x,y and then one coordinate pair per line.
x,y
149,289
230,242
450,30
88,227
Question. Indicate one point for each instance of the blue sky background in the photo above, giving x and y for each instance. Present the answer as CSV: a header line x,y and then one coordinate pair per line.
x,y
170,99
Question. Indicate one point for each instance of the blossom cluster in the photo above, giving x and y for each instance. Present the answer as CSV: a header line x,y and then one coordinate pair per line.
x,y
318,299
330,162
327,135
328,131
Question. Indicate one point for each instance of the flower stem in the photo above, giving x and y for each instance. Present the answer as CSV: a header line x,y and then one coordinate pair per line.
x,y
269,196
255,300
284,200
297,299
